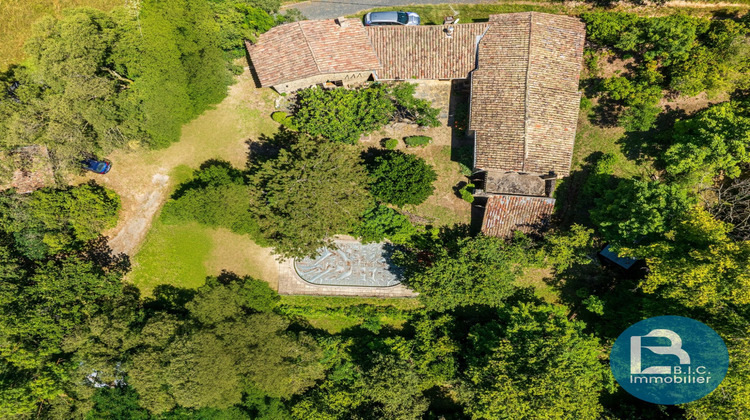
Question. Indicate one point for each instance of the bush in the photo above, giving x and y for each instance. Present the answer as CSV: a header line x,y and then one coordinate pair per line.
x,y
467,193
390,144
216,196
399,178
282,118
408,107
417,141
343,115
382,222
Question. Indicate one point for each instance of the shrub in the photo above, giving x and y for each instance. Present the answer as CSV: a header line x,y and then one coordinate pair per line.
x,y
343,115
467,193
216,196
282,118
417,141
399,178
390,144
408,107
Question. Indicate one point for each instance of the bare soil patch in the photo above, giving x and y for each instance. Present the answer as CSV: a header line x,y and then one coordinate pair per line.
x,y
144,178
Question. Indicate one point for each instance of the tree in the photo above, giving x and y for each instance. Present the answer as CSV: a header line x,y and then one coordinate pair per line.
x,y
476,271
532,362
310,192
636,209
395,389
698,264
181,70
54,220
343,115
216,196
346,114
715,141
399,178
382,222
72,97
229,296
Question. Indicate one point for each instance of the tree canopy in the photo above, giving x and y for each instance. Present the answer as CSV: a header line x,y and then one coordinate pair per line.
x,y
312,190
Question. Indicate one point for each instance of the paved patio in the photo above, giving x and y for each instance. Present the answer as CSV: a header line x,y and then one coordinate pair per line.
x,y
354,269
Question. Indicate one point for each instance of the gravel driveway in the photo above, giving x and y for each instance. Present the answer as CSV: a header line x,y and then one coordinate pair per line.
x,y
328,9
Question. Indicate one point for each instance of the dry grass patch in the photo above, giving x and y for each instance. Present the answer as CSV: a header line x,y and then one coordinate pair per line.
x,y
240,255
18,16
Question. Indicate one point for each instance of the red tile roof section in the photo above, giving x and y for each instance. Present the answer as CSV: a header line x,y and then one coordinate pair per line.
x,y
505,214
525,97
425,52
302,49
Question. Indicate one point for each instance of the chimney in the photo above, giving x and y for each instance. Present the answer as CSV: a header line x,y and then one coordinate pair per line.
x,y
342,22
448,32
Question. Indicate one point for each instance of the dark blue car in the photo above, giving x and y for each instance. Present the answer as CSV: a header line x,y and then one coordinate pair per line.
x,y
97,166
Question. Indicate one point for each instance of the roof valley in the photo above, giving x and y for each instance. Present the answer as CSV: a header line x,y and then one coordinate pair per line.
x,y
307,42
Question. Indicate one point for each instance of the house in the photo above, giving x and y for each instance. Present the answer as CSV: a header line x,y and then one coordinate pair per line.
x,y
505,214
523,70
301,54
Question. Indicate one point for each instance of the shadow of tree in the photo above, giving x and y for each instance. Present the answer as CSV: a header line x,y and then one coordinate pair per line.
x,y
642,146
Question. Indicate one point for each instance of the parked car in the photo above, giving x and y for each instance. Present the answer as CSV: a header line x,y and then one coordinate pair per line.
x,y
391,18
97,166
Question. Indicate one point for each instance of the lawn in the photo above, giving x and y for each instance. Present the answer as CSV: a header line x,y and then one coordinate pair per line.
x,y
591,139
17,17
335,314
184,254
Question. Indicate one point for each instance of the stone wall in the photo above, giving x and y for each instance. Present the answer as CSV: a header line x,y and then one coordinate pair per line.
x,y
347,79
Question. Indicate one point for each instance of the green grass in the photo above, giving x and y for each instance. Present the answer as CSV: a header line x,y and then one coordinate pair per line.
x,y
434,14
172,254
591,138
327,312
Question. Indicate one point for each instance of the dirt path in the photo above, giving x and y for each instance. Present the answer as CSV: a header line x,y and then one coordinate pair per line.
x,y
144,178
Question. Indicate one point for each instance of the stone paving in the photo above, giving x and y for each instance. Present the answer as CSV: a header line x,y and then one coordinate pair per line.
x,y
354,269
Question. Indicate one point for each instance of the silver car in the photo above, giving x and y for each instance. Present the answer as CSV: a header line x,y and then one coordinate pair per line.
x,y
391,18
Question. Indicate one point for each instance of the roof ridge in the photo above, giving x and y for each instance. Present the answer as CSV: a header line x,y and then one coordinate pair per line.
x,y
526,96
307,42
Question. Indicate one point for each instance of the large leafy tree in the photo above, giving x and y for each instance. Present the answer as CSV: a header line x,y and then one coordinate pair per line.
x,y
217,195
312,190
72,97
399,178
698,264
55,220
473,271
182,70
636,209
343,114
715,141
230,342
532,362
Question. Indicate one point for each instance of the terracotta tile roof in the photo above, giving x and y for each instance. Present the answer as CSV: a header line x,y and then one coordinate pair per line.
x,y
302,49
525,99
505,214
425,52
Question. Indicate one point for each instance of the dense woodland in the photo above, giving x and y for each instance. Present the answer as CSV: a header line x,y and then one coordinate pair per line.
x,y
77,342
